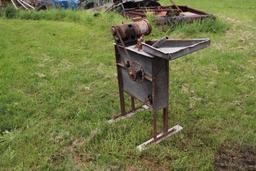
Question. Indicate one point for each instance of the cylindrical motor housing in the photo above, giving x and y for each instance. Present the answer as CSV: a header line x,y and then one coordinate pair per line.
x,y
131,32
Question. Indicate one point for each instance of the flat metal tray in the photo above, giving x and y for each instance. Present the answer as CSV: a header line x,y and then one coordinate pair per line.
x,y
172,49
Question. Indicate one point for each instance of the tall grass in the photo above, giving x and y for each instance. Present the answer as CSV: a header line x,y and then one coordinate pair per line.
x,y
54,14
102,20
57,15
207,25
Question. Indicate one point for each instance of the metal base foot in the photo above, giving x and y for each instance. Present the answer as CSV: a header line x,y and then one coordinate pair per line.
x,y
129,114
160,137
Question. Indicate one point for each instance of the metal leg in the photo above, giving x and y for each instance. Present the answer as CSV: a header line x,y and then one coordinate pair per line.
x,y
122,102
154,112
166,109
120,84
165,120
167,132
154,124
133,103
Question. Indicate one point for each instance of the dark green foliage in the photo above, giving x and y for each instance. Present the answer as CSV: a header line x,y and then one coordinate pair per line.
x,y
8,12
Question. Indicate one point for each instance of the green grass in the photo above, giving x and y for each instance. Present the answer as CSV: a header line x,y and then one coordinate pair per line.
x,y
58,88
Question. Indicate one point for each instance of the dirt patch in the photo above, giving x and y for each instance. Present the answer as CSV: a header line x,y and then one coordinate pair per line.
x,y
78,155
236,157
131,168
153,164
74,151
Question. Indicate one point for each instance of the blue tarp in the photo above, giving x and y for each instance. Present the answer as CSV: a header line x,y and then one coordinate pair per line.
x,y
66,4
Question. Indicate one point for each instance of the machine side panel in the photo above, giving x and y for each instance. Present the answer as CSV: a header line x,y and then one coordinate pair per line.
x,y
160,83
141,91
144,61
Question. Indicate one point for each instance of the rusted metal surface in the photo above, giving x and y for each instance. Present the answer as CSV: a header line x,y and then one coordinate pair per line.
x,y
143,73
172,49
130,33
172,14
187,15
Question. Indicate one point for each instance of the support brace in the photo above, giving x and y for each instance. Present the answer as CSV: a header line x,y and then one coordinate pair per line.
x,y
127,115
160,137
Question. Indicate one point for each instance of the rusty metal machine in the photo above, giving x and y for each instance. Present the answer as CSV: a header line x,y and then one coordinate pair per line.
x,y
172,14
143,71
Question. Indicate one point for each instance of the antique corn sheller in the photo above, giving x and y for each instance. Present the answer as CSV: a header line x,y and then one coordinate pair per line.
x,y
143,71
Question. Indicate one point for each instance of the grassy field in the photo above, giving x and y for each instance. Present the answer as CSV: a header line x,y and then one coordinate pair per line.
x,y
58,88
